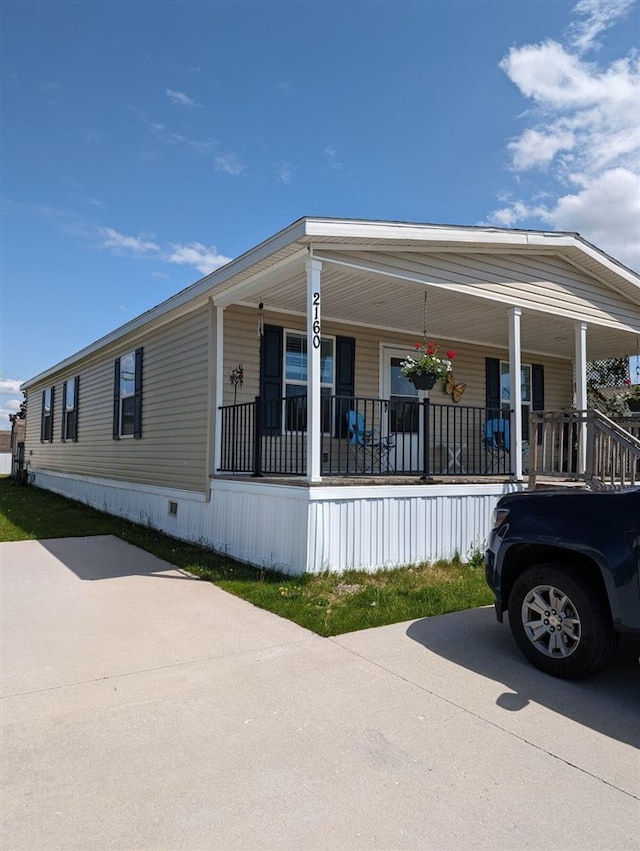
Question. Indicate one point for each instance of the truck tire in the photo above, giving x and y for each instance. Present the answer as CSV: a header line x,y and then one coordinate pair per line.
x,y
561,622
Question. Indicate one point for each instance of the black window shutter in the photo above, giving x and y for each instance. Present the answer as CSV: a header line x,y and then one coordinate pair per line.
x,y
116,400
64,410
345,381
137,418
537,391
76,396
537,387
271,344
492,385
42,418
53,400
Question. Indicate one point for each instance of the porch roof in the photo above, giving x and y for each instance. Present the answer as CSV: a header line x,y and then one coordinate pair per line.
x,y
374,275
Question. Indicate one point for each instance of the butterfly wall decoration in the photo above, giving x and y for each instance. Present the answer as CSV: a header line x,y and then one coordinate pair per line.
x,y
456,390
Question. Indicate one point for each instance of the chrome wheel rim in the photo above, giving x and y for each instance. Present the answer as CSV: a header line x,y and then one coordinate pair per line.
x,y
551,622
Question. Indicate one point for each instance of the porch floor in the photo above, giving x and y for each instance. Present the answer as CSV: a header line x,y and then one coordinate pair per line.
x,y
542,482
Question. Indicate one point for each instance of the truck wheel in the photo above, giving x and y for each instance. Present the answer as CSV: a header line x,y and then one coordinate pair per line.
x,y
560,621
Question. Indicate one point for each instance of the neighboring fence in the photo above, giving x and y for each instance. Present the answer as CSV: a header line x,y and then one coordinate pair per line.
x,y
366,437
611,449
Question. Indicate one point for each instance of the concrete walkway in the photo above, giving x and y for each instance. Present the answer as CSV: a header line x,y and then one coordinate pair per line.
x,y
144,709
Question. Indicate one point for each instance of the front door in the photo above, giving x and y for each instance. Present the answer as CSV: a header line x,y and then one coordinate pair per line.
x,y
404,411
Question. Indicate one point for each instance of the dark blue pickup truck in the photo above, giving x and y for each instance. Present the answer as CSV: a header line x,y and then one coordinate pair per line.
x,y
564,564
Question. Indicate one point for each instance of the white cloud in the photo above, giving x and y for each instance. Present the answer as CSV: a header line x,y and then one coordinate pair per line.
x,y
596,17
95,202
181,98
284,173
229,163
161,131
10,385
203,258
332,157
606,211
136,244
583,132
5,411
536,148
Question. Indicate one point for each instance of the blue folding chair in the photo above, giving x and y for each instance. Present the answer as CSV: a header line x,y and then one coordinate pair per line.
x,y
497,442
370,448
496,434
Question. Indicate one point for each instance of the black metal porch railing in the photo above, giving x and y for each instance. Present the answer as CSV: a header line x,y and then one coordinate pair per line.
x,y
366,437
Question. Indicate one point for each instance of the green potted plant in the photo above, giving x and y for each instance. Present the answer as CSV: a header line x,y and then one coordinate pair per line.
x,y
425,367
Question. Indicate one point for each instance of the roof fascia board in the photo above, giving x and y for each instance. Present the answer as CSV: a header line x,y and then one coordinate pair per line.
x,y
394,231
340,247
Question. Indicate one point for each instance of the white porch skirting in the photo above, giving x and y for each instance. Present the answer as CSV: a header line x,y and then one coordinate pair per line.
x,y
296,528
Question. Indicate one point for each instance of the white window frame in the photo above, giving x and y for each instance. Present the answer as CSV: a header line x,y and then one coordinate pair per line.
x,y
504,370
123,396
47,418
298,382
67,409
506,405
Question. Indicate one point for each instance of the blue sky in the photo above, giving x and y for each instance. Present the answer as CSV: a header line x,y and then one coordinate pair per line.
x,y
146,143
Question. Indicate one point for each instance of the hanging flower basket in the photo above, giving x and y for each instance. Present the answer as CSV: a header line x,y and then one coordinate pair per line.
x,y
425,368
423,380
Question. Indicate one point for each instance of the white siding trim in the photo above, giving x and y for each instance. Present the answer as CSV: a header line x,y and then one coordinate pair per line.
x,y
298,528
581,389
515,391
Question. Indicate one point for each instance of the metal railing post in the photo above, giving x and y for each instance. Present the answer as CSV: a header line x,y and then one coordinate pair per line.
x,y
426,465
257,439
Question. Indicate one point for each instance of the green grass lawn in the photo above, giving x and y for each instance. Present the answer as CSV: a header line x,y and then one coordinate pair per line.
x,y
326,604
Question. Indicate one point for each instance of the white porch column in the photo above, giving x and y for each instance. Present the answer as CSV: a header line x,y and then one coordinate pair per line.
x,y
218,371
515,392
580,367
314,338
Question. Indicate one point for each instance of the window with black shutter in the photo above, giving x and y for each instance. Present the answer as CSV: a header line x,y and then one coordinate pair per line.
x,y
498,389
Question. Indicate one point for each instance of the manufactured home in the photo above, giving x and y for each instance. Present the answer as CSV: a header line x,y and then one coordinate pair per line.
x,y
264,412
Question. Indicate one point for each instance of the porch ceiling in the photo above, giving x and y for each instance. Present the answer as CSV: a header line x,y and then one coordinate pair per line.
x,y
391,304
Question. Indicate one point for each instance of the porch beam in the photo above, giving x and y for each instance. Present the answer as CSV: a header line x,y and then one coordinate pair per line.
x,y
580,367
515,392
314,342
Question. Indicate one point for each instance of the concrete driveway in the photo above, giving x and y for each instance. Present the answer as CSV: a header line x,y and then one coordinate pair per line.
x,y
144,709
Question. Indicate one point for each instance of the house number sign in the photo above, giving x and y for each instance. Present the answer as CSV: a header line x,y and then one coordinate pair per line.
x,y
316,320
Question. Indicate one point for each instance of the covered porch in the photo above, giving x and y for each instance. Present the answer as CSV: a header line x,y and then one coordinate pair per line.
x,y
525,313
